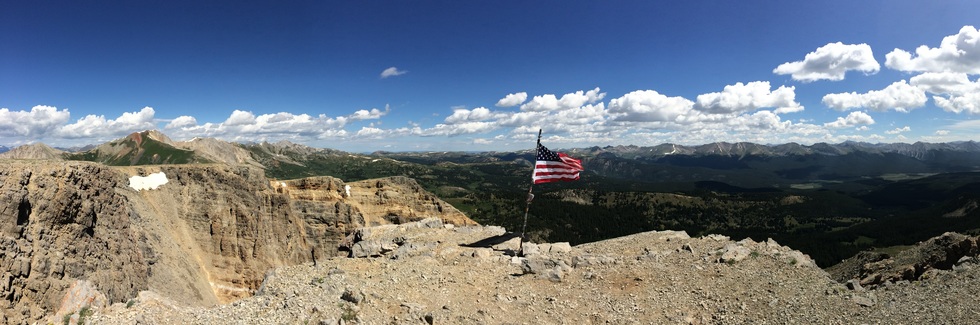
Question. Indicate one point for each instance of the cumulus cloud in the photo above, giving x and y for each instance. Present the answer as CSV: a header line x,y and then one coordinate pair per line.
x,y
749,97
98,126
851,120
246,126
898,96
460,129
831,62
371,114
951,83
648,106
240,118
761,120
550,102
370,132
958,93
899,130
392,72
968,103
580,116
512,100
182,122
956,53
39,122
464,115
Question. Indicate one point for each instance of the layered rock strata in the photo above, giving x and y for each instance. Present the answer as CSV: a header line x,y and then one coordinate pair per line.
x,y
205,237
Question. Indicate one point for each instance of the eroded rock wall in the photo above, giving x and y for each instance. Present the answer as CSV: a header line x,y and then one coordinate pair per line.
x,y
207,236
59,222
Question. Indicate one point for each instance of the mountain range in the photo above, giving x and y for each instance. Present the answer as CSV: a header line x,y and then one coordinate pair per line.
x,y
227,212
850,193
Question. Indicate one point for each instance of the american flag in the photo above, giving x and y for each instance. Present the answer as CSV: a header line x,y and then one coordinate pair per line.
x,y
555,166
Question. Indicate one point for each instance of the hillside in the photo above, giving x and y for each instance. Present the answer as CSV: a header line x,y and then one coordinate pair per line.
x,y
32,151
141,148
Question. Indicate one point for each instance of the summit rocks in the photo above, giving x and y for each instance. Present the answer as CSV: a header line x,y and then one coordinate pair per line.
x,y
454,277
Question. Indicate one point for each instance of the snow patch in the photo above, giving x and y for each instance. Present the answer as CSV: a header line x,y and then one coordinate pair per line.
x,y
150,182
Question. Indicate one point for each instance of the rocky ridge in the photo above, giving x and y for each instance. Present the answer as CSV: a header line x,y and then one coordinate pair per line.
x,y
204,238
427,272
33,151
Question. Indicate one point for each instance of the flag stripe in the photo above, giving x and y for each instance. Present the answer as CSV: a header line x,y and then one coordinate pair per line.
x,y
555,166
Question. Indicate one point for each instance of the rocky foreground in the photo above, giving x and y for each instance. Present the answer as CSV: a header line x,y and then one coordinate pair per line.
x,y
430,273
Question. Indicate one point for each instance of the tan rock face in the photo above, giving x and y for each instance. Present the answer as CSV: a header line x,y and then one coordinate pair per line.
x,y
207,236
61,221
391,200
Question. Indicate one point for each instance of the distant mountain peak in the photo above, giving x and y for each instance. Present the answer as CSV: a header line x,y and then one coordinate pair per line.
x,y
33,151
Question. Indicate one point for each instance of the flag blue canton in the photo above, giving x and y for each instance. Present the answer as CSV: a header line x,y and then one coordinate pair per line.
x,y
555,166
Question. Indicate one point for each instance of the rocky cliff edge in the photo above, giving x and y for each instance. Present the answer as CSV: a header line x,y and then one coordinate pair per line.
x,y
77,231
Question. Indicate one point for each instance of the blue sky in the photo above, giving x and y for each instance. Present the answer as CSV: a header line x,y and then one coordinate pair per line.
x,y
485,75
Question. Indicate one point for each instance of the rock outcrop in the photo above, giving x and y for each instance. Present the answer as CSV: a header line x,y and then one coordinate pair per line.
x,y
206,237
62,222
872,269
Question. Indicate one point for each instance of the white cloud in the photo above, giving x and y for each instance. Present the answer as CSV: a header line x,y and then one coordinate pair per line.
x,y
648,106
521,118
240,118
182,122
952,83
956,53
852,119
968,103
39,122
372,114
898,96
960,94
749,97
831,62
550,102
761,120
942,132
459,129
580,116
512,100
899,130
98,126
463,115
392,72
370,132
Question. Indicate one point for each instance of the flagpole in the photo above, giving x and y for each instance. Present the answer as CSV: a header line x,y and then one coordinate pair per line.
x,y
530,196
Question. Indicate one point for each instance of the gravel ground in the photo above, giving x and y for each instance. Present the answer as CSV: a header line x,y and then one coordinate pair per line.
x,y
648,278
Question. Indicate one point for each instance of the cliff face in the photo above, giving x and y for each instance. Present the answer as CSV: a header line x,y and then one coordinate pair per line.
x,y
370,202
60,222
205,237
